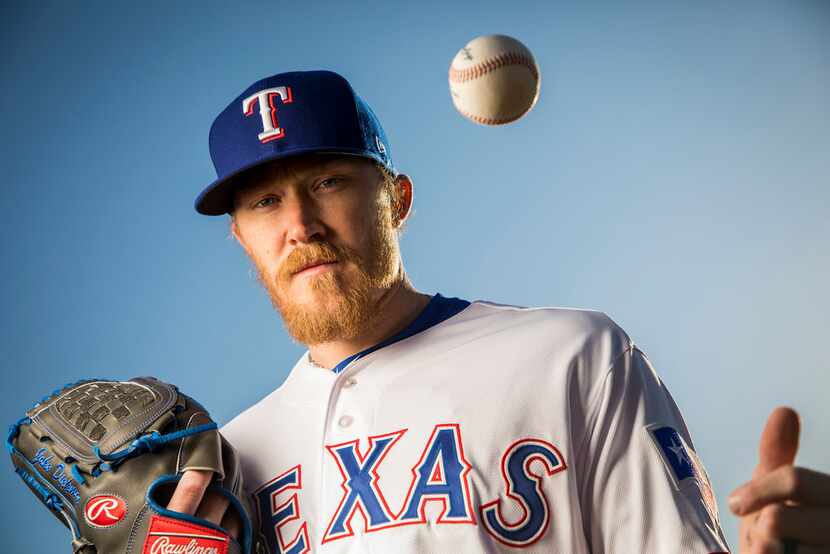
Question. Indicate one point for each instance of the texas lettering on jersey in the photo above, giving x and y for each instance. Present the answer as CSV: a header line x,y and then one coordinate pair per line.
x,y
441,475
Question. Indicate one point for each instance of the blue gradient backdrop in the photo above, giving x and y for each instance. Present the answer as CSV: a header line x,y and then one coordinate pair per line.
x,y
674,174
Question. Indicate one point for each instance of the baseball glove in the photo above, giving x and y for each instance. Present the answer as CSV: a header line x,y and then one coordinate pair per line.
x,y
104,457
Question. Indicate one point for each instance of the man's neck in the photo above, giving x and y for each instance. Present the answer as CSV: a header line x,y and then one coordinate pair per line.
x,y
395,310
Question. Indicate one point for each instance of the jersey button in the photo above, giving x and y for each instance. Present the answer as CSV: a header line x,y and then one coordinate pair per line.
x,y
345,421
349,383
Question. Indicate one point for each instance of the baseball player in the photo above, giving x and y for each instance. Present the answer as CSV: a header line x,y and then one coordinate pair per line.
x,y
426,423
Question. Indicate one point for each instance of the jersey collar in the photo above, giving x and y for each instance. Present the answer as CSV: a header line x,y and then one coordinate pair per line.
x,y
439,308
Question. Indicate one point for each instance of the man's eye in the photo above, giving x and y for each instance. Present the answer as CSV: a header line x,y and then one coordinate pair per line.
x,y
265,202
329,183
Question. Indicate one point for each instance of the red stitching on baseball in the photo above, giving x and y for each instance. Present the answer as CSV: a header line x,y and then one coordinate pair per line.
x,y
491,64
490,120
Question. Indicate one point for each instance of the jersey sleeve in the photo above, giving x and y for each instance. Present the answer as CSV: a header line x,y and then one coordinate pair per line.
x,y
645,489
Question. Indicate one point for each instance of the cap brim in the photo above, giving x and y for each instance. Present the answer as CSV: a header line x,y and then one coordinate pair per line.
x,y
217,198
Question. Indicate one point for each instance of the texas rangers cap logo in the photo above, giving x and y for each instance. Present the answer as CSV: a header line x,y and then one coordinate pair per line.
x,y
105,510
268,111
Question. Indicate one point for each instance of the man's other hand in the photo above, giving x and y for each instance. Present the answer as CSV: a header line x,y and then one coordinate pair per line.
x,y
784,508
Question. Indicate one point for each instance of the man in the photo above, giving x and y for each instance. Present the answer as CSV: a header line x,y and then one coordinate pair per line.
x,y
419,423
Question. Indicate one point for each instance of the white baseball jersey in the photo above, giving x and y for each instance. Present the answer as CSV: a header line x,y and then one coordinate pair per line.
x,y
481,428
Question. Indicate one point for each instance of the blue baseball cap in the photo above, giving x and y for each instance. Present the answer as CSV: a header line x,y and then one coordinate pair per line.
x,y
293,113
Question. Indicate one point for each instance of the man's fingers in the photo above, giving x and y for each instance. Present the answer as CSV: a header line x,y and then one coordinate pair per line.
x,y
779,441
805,524
213,507
787,483
189,491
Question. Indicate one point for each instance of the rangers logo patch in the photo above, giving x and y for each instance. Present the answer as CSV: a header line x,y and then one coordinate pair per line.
x,y
105,510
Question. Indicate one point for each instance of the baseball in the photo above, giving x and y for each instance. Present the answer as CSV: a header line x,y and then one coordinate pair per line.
x,y
494,80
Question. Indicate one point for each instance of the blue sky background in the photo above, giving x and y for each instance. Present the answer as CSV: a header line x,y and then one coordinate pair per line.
x,y
674,175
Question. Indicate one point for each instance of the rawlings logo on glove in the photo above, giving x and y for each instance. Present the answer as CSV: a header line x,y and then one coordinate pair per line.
x,y
169,536
105,510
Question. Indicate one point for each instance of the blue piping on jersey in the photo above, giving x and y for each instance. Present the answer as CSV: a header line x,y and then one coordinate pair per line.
x,y
438,309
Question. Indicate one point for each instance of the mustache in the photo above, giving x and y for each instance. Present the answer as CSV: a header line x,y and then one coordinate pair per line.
x,y
312,254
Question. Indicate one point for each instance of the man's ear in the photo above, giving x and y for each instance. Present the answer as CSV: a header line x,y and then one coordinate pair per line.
x,y
404,197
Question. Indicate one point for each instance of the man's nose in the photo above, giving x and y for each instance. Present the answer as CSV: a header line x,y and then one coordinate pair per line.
x,y
304,224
